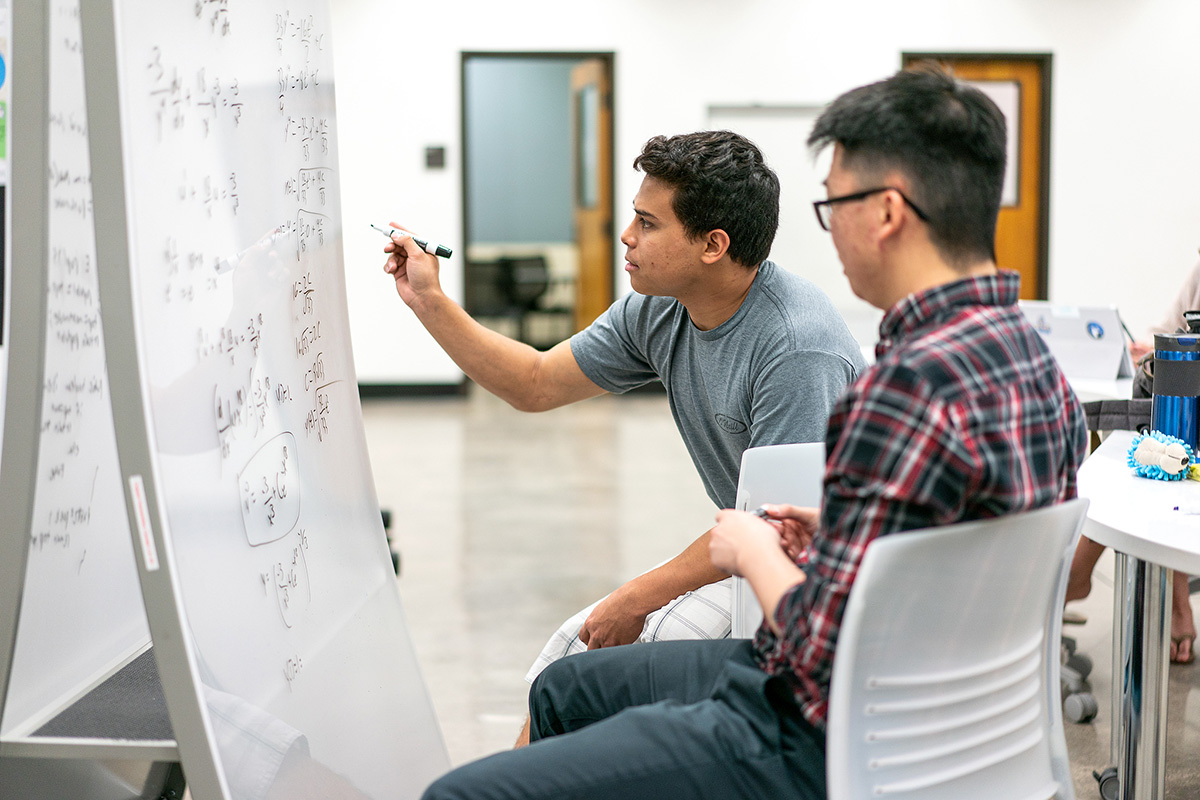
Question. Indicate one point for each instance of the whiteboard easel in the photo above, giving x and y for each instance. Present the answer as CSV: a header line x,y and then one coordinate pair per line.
x,y
66,602
273,608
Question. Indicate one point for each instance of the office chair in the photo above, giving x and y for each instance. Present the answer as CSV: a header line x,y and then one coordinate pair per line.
x,y
526,279
945,684
511,287
781,473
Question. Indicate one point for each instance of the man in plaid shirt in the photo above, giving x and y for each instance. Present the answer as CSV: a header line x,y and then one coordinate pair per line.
x,y
965,415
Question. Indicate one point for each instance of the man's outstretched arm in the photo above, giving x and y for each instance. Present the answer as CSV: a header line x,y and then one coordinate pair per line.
x,y
526,378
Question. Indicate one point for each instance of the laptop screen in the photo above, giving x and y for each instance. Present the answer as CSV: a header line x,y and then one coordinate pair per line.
x,y
1088,341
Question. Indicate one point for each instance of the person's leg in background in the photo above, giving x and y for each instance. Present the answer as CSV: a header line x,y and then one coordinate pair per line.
x,y
1183,627
1079,582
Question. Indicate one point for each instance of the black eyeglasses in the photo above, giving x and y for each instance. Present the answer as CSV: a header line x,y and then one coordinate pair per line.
x,y
825,207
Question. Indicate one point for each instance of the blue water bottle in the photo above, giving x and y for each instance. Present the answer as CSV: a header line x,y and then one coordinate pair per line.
x,y
1176,385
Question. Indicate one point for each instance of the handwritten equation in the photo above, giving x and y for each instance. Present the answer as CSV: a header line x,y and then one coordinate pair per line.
x,y
242,410
311,133
309,228
177,100
216,14
211,193
230,341
309,185
287,580
302,30
269,487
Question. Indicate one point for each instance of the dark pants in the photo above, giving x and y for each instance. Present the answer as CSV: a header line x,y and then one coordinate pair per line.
x,y
695,719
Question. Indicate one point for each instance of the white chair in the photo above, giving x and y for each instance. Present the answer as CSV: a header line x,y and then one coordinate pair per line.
x,y
945,684
780,473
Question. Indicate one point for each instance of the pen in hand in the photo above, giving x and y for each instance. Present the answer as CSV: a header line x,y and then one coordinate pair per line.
x,y
439,250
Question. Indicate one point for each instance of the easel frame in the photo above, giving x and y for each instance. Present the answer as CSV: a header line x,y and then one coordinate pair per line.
x,y
40,766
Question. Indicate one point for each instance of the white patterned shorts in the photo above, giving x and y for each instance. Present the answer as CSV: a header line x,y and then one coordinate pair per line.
x,y
702,614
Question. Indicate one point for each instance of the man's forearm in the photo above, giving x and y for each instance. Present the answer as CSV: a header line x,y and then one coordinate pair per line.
x,y
513,371
771,577
687,572
501,365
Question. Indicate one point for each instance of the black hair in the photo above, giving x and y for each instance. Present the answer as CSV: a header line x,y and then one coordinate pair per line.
x,y
720,181
945,136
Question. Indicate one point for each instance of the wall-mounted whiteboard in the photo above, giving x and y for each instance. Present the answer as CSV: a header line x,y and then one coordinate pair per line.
x,y
257,498
81,614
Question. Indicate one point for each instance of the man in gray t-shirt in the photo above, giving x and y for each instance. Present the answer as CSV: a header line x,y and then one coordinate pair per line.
x,y
750,355
767,375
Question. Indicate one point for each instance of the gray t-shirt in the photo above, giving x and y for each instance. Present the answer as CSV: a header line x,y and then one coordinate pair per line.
x,y
767,375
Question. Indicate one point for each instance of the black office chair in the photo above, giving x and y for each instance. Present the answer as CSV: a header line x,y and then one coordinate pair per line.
x,y
486,294
526,280
509,288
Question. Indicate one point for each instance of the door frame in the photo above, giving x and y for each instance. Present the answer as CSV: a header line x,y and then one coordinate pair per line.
x,y
609,59
1045,63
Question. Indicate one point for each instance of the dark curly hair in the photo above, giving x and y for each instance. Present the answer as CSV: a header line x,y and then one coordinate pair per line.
x,y
720,181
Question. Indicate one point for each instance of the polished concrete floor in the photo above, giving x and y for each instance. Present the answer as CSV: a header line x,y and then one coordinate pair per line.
x,y
507,523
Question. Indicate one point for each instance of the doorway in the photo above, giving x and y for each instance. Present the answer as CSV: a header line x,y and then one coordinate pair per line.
x,y
1019,83
537,191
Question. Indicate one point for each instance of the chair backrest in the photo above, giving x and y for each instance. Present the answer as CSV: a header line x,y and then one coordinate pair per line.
x,y
945,684
507,286
526,280
486,293
780,473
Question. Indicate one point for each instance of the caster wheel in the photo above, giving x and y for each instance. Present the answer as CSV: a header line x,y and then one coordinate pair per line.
x,y
1109,787
1080,708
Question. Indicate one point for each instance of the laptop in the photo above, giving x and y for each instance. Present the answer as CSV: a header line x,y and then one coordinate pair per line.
x,y
1089,342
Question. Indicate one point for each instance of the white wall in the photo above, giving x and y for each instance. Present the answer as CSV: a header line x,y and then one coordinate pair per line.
x,y
1125,210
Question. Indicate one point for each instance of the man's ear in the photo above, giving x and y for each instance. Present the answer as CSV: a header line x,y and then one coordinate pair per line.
x,y
892,214
716,245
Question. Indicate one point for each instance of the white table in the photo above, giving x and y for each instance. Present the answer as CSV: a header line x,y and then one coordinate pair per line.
x,y
1136,517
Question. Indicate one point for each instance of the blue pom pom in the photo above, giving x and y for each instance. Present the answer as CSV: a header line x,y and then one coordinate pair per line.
x,y
1154,471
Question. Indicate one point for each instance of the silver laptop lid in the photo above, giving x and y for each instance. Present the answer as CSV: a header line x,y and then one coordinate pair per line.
x,y
1088,341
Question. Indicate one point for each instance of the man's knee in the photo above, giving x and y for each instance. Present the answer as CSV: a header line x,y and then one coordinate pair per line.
x,y
496,777
446,787
577,690
543,710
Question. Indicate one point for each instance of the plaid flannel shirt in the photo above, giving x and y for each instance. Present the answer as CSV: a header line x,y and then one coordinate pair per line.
x,y
965,415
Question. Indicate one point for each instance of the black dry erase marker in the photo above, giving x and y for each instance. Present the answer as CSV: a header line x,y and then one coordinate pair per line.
x,y
762,512
439,250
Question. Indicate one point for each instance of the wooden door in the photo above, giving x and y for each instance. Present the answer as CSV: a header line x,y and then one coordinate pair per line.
x,y
1020,84
591,103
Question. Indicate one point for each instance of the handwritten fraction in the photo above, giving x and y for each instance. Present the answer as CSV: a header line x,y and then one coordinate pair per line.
x,y
269,488
311,133
287,580
216,14
178,100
